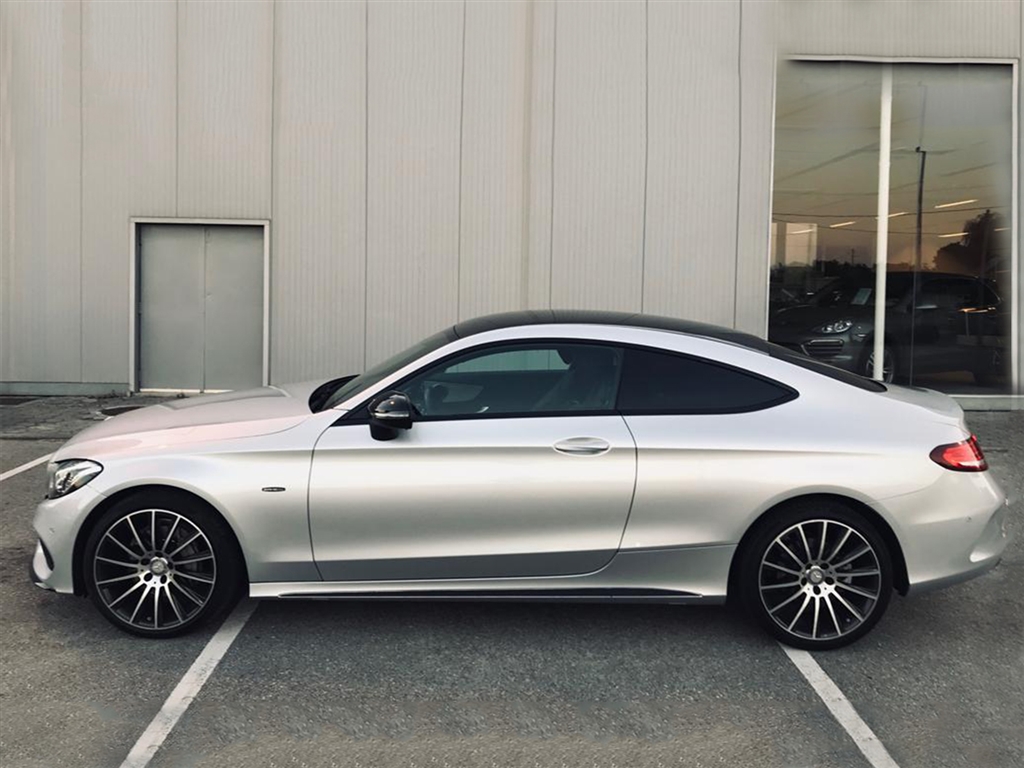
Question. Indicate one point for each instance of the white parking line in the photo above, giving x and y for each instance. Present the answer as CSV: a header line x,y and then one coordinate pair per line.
x,y
188,687
841,708
23,467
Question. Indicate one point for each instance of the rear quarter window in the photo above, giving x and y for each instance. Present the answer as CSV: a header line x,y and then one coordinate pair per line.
x,y
662,382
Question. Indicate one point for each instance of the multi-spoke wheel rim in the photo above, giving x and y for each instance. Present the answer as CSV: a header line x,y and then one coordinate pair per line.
x,y
820,579
154,569
888,368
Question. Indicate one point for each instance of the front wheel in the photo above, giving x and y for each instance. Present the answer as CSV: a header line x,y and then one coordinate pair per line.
x,y
816,576
159,565
867,366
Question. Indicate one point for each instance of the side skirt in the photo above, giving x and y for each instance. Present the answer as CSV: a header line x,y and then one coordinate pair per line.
x,y
678,575
522,596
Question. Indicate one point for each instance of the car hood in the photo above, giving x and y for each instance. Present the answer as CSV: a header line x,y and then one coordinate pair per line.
x,y
807,316
229,415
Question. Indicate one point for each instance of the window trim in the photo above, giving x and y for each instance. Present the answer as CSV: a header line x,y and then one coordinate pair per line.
x,y
359,415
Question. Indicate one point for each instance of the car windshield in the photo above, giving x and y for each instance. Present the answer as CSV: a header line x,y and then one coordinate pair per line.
x,y
382,370
846,292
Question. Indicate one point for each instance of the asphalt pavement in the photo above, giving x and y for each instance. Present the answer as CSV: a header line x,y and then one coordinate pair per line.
x,y
940,680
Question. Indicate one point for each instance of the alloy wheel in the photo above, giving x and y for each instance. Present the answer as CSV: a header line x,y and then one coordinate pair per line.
x,y
820,580
888,366
154,569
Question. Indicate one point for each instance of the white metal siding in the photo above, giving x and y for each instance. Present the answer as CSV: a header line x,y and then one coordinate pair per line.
x,y
419,162
493,173
693,156
128,162
318,230
758,23
963,28
599,148
42,202
225,61
414,125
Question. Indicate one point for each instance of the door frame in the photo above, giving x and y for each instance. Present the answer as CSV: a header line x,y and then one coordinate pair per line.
x,y
133,279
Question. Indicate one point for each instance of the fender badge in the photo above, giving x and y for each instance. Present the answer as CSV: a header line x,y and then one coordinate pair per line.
x,y
272,489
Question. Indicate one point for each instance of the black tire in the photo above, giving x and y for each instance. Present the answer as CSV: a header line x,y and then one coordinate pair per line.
x,y
865,367
200,575
833,607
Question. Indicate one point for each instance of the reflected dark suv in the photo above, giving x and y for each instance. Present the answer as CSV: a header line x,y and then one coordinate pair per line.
x,y
954,325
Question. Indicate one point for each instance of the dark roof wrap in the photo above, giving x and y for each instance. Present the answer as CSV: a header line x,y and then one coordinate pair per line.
x,y
595,317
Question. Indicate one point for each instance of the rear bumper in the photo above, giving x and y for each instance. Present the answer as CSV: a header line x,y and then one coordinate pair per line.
x,y
951,532
977,558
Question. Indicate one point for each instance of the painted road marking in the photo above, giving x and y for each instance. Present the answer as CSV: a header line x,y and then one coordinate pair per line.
x,y
23,467
841,708
188,687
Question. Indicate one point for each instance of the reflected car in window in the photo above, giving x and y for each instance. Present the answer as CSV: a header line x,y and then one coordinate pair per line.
x,y
954,325
554,455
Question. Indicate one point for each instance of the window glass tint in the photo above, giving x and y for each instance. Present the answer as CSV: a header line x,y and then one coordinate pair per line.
x,y
513,360
350,387
547,378
667,383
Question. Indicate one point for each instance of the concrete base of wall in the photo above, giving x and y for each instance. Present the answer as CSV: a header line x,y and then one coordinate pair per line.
x,y
65,388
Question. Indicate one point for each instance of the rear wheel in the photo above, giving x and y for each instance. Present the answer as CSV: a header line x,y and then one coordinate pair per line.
x,y
817,575
159,565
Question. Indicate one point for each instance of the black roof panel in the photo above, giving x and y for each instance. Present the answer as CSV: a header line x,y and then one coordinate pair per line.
x,y
595,317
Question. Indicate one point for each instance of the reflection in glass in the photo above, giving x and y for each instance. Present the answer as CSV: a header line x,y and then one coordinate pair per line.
x,y
948,293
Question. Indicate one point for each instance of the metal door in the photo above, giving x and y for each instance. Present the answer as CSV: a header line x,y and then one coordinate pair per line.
x,y
200,308
471,498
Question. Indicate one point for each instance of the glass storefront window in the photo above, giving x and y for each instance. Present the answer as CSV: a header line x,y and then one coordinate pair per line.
x,y
948,306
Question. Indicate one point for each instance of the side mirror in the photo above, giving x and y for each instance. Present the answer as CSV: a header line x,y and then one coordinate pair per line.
x,y
390,414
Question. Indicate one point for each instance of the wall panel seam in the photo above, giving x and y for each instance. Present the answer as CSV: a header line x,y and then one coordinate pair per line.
x,y
268,277
527,165
81,189
462,127
177,104
647,146
554,123
366,177
739,163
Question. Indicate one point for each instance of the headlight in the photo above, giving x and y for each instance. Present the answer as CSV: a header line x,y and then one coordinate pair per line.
x,y
63,477
839,326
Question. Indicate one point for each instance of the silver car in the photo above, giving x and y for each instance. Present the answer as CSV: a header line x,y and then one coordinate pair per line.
x,y
553,455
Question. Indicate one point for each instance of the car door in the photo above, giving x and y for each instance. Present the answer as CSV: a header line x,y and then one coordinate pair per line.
x,y
516,464
941,324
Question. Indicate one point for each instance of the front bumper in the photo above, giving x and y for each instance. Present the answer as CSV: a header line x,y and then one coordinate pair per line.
x,y
57,524
842,350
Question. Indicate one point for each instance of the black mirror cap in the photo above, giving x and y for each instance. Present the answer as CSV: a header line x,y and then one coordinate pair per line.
x,y
393,410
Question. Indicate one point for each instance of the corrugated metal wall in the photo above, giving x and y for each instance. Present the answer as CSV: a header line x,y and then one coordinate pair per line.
x,y
419,162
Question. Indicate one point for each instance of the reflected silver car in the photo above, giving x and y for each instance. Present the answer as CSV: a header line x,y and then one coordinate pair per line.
x,y
556,455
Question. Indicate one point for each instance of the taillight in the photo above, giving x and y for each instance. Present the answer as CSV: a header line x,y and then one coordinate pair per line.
x,y
965,456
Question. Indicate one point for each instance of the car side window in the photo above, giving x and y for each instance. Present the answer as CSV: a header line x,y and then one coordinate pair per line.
x,y
949,293
662,382
541,378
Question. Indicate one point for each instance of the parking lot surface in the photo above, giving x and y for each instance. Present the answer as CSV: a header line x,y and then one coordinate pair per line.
x,y
940,681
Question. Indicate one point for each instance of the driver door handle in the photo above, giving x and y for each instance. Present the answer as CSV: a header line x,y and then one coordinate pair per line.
x,y
583,446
